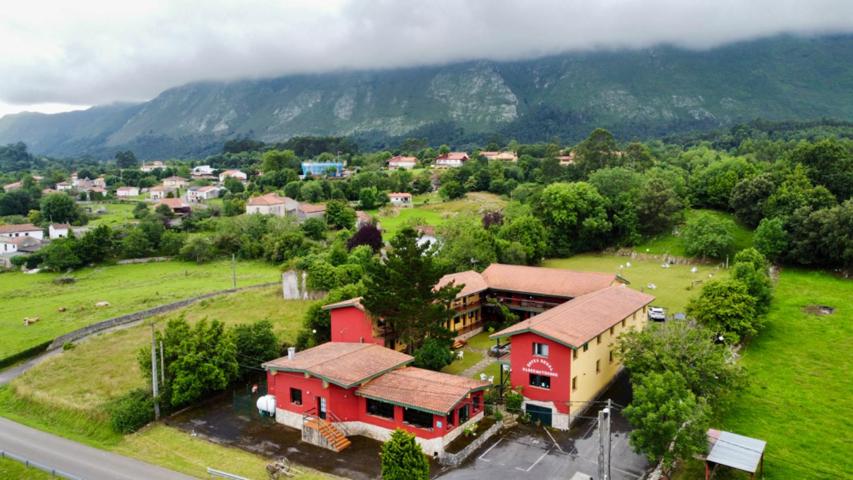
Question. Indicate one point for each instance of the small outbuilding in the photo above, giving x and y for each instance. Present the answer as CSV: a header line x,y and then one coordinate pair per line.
x,y
734,451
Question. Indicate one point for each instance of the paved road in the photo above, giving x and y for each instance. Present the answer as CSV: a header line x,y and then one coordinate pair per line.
x,y
80,460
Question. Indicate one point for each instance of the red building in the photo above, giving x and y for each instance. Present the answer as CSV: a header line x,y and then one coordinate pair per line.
x,y
564,357
339,389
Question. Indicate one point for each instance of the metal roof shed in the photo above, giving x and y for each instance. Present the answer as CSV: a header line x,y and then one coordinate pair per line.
x,y
734,451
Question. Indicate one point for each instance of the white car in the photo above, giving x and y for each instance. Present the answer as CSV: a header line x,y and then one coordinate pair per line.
x,y
657,314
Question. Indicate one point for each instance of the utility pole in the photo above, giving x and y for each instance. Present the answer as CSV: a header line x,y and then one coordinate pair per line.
x,y
604,442
154,387
162,365
233,270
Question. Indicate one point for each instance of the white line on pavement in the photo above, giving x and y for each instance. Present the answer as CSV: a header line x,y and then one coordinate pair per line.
x,y
489,450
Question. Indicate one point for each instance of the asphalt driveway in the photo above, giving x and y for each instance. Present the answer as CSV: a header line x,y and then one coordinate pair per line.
x,y
527,451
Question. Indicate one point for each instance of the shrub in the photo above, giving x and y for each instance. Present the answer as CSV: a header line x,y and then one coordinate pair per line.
x,y
131,411
513,400
708,236
403,459
434,354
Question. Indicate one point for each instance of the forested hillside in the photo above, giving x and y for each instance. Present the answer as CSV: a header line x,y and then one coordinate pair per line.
x,y
635,94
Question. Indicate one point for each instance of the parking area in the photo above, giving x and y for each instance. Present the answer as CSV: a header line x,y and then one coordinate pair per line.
x,y
532,452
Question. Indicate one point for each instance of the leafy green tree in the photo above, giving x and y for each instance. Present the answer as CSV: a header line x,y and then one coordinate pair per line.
x,y
131,411
233,185
310,191
403,459
599,150
283,245
59,208
827,163
466,245
685,348
17,202
164,212
199,360
669,422
757,283
314,228
726,307
638,156
659,206
749,196
136,244
529,232
277,160
368,198
340,215
402,291
712,186
198,249
795,192
97,245
708,235
575,216
293,189
60,254
255,343
171,243
451,190
140,210
126,159
434,354
822,236
771,239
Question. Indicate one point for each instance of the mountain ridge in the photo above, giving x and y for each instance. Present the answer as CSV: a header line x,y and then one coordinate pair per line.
x,y
635,93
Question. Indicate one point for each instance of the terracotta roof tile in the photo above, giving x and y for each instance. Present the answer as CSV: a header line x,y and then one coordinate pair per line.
x,y
556,282
580,320
268,199
472,280
23,227
343,364
434,392
311,207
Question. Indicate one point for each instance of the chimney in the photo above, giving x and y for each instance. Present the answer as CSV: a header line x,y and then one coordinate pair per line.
x,y
291,353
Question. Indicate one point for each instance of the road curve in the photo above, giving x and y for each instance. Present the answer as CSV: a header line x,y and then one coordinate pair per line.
x,y
75,458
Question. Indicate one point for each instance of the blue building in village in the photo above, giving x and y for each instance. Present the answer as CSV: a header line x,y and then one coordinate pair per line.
x,y
329,169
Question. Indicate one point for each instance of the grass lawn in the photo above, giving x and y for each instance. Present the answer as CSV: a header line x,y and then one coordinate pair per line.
x,y
669,243
177,450
65,394
128,288
673,284
431,210
799,389
116,213
12,469
107,363
468,360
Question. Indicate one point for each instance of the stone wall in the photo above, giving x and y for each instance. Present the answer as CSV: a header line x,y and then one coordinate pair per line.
x,y
453,459
122,320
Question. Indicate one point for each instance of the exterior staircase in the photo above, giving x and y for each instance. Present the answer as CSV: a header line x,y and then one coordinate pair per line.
x,y
331,437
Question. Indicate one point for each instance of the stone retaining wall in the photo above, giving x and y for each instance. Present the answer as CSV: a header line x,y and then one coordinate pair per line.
x,y
78,334
453,459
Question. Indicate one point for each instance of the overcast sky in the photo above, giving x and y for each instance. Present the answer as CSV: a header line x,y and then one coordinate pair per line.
x,y
60,55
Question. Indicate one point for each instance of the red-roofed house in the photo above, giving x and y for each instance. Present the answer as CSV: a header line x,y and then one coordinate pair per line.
x,y
402,162
176,204
272,204
563,358
340,389
502,156
22,230
233,174
400,199
310,210
451,160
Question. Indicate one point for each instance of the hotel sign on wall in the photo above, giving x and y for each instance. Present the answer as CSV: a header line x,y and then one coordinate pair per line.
x,y
539,366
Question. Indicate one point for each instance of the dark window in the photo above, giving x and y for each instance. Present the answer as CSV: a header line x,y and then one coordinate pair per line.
x,y
598,366
611,356
296,396
417,418
540,381
463,414
585,347
475,403
574,383
540,349
380,409
574,354
611,330
598,340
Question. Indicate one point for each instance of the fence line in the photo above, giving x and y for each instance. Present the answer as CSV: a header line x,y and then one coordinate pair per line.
x,y
78,334
31,464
